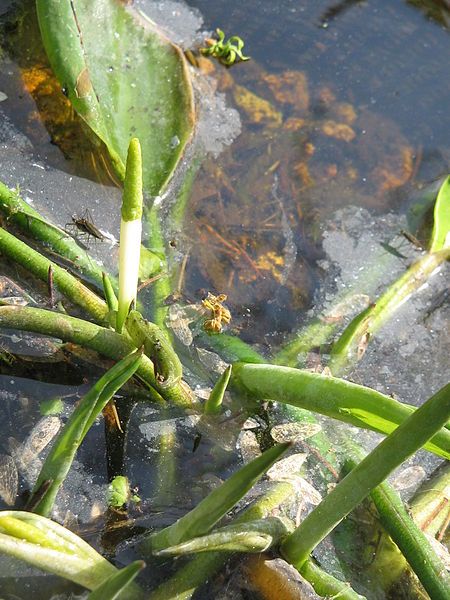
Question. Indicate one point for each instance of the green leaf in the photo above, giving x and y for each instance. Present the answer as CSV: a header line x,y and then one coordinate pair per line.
x,y
214,403
60,458
252,536
212,508
51,547
124,78
355,404
52,406
419,427
119,492
440,238
117,583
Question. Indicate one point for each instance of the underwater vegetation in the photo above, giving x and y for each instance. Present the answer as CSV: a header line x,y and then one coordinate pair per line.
x,y
135,102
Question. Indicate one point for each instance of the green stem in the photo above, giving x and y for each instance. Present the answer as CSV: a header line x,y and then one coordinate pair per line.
x,y
166,485
407,535
168,368
213,404
162,287
412,542
336,398
389,454
326,585
37,264
183,584
102,340
32,223
353,341
314,335
61,456
231,348
211,509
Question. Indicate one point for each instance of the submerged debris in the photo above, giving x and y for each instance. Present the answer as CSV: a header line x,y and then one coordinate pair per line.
x,y
9,479
219,314
26,454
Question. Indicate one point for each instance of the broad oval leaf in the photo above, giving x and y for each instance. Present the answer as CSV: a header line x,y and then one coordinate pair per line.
x,y
124,78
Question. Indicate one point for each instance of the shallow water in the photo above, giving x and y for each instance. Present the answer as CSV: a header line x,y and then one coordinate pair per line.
x,y
316,151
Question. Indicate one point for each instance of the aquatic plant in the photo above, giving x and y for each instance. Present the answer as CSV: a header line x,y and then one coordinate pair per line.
x,y
120,331
227,52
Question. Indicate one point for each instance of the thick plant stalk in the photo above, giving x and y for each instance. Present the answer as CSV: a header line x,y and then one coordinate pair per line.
x,y
368,474
327,585
32,223
68,285
130,233
168,368
102,340
336,398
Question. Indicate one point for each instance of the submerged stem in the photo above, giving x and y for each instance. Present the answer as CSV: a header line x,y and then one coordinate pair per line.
x,y
37,264
368,474
102,340
333,397
34,224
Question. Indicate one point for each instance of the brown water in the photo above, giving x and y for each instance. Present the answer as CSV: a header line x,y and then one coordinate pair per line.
x,y
343,105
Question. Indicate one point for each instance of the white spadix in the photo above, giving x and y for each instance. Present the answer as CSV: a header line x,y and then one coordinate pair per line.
x,y
130,233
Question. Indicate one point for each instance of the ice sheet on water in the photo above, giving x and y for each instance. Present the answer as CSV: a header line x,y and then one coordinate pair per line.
x,y
180,22
58,195
10,136
81,495
408,357
218,124
357,256
27,455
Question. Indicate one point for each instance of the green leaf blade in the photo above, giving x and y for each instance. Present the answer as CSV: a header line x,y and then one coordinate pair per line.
x,y
440,238
212,508
49,546
368,474
117,583
336,398
135,83
60,458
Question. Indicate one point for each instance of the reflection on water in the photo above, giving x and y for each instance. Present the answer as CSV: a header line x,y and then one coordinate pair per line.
x,y
343,104
344,123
